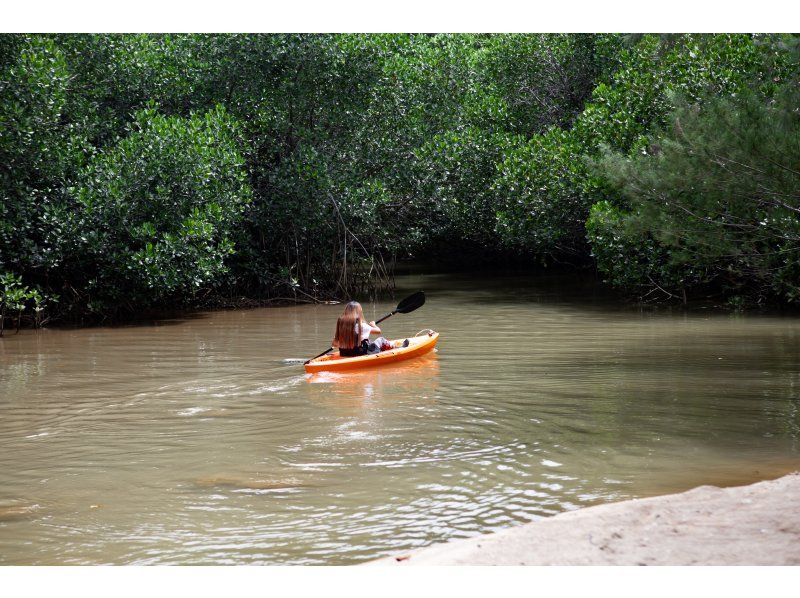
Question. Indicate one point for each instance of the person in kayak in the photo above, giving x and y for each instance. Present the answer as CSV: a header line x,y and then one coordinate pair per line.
x,y
352,333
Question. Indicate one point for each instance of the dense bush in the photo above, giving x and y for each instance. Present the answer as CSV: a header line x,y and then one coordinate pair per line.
x,y
154,215
38,154
18,299
714,202
545,79
147,170
546,188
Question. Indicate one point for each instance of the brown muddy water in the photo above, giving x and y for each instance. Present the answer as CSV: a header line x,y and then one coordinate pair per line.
x,y
201,441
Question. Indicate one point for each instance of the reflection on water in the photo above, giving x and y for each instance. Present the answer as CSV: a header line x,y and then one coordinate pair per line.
x,y
417,378
204,442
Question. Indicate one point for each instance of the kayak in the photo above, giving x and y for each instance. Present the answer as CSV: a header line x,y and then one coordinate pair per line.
x,y
417,345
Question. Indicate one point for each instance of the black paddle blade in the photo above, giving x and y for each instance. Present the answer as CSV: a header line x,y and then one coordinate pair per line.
x,y
411,303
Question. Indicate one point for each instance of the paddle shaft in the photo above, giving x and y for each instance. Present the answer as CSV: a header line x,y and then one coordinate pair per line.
x,y
389,315
328,350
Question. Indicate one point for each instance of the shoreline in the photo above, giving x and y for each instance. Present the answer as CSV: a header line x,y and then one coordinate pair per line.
x,y
757,524
611,299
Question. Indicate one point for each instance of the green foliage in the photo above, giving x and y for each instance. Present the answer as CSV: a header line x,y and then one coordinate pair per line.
x,y
716,197
141,170
12,293
545,187
156,212
639,96
544,79
15,298
37,151
629,257
115,75
455,172
33,98
447,112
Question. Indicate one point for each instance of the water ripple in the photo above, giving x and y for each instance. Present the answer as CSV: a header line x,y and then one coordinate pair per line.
x,y
205,443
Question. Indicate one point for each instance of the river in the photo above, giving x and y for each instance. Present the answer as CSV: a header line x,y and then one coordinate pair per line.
x,y
200,440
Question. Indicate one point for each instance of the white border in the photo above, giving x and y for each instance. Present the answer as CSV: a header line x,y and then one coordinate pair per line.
x,y
396,16
399,16
399,582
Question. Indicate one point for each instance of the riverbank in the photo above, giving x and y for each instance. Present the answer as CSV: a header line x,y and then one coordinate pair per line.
x,y
757,524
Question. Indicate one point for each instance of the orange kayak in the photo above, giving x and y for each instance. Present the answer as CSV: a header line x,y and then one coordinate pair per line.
x,y
417,345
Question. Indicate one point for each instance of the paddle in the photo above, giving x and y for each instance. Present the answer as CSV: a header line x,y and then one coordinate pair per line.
x,y
407,305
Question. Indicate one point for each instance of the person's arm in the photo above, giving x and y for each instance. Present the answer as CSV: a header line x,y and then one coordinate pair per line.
x,y
374,328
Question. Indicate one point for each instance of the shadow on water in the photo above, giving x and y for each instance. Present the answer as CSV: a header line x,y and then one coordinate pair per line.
x,y
161,319
137,321
578,289
511,287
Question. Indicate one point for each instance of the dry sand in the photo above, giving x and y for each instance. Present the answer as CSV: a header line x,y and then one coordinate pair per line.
x,y
747,525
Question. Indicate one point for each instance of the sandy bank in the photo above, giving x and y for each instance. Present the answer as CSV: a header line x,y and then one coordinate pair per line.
x,y
747,525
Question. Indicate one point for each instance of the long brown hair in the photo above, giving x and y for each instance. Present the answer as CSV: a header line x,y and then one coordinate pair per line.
x,y
347,337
